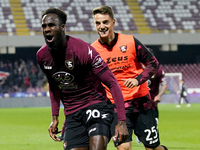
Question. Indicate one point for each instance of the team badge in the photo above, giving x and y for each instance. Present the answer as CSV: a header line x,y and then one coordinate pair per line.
x,y
69,64
123,48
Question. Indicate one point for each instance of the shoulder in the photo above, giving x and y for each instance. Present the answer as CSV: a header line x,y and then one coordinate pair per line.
x,y
83,50
160,74
95,43
125,35
77,45
76,42
42,52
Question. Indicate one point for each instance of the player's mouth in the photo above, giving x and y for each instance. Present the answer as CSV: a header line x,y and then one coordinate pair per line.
x,y
49,38
103,31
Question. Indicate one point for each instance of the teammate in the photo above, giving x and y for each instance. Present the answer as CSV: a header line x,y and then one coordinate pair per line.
x,y
124,55
75,71
183,94
157,86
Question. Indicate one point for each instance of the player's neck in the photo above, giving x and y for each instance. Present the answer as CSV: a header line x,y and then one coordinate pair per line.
x,y
109,39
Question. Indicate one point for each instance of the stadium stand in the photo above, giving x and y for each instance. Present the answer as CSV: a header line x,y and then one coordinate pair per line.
x,y
25,76
138,16
171,15
6,18
22,17
186,70
79,13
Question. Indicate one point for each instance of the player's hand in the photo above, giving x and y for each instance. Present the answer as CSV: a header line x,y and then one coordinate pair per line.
x,y
53,130
130,82
157,99
121,133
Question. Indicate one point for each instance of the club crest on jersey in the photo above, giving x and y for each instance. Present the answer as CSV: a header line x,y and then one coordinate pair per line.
x,y
69,64
123,48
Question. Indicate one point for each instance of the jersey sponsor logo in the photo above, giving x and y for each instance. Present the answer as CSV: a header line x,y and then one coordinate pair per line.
x,y
97,62
123,48
64,80
48,67
69,64
116,59
154,141
90,52
115,69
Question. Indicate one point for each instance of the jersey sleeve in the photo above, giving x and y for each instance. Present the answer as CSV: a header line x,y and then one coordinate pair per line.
x,y
54,93
53,90
163,80
108,78
101,69
147,59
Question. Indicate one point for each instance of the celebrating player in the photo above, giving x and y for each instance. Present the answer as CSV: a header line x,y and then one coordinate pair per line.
x,y
124,55
75,71
157,86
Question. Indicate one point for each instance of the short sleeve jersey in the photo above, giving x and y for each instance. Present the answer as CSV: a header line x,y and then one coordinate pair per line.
x,y
77,77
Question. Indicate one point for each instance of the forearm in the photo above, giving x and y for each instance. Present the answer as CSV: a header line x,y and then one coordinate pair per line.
x,y
55,101
54,118
150,62
162,90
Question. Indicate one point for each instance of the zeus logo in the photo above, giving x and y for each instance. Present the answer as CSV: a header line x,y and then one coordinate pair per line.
x,y
115,59
90,52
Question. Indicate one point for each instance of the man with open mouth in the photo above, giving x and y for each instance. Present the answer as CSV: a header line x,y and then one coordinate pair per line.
x,y
75,73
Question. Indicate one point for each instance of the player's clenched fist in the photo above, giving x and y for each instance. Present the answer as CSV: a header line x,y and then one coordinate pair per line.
x,y
53,129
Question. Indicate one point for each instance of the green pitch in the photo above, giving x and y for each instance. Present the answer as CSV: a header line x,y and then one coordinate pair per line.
x,y
26,128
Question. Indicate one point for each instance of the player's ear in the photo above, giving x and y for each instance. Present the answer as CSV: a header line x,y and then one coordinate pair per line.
x,y
63,27
113,22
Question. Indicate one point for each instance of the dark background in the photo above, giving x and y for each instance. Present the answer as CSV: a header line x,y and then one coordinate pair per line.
x,y
185,54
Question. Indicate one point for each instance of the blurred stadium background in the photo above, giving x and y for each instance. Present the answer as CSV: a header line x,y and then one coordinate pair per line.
x,y
170,27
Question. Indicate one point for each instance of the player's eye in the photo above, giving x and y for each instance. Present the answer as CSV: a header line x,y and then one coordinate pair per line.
x,y
43,25
97,23
105,22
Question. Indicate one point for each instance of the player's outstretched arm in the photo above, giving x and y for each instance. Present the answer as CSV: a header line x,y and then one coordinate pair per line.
x,y
53,128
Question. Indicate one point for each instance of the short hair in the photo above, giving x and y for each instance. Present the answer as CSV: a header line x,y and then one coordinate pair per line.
x,y
60,13
103,10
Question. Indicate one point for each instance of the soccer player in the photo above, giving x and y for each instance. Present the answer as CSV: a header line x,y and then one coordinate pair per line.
x,y
157,86
125,55
75,71
183,94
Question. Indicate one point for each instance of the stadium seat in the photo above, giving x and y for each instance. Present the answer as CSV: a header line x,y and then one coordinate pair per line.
x,y
6,19
186,70
171,15
159,15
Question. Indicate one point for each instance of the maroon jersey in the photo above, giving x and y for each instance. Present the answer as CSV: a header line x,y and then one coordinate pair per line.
x,y
76,80
154,83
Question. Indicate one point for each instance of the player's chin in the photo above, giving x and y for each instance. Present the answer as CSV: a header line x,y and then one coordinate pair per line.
x,y
103,35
